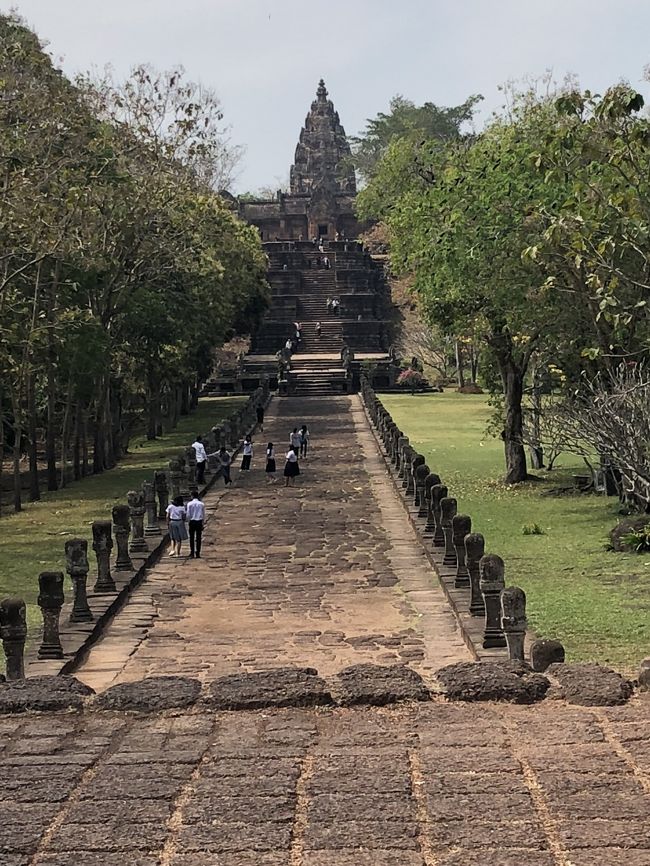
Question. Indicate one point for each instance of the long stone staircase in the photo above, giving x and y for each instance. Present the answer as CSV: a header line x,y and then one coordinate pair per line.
x,y
300,288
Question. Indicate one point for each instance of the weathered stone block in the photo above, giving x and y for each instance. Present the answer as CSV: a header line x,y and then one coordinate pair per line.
x,y
43,693
588,684
378,685
150,695
513,682
545,652
280,687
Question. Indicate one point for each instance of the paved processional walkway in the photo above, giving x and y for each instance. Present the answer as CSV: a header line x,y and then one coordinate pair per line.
x,y
324,575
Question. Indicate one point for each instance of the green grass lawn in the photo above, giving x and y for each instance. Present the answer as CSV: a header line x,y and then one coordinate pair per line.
x,y
593,600
32,541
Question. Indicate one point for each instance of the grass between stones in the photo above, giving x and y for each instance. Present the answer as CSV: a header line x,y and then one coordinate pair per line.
x,y
593,600
32,541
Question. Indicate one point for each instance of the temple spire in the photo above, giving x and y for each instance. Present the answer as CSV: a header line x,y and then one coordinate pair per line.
x,y
323,158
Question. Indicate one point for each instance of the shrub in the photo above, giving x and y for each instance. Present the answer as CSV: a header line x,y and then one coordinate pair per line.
x,y
412,379
637,540
532,529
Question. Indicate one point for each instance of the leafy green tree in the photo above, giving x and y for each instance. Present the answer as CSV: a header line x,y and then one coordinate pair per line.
x,y
406,120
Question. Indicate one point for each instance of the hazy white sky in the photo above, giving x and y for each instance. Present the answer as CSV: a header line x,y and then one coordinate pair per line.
x,y
264,57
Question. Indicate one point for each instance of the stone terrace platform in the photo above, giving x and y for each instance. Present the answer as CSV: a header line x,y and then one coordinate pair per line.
x,y
429,784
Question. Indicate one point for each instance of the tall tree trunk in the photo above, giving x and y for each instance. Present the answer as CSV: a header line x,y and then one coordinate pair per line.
x,y
65,432
153,408
85,469
185,399
50,430
18,433
459,365
76,444
2,444
34,486
513,391
535,448
98,437
473,361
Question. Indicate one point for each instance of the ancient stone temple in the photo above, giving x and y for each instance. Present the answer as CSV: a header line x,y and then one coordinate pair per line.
x,y
320,203
330,314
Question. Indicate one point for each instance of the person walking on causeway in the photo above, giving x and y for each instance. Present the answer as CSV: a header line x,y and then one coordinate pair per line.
x,y
247,453
270,462
304,440
176,515
195,518
201,459
259,412
291,468
225,460
295,440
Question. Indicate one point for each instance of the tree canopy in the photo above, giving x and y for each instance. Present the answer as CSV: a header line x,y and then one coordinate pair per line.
x,y
405,119
534,233
121,268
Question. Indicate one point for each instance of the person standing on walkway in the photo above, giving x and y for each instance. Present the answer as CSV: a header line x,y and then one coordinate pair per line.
x,y
291,468
328,304
259,412
318,329
176,515
195,518
247,453
201,459
225,460
304,440
270,462
295,439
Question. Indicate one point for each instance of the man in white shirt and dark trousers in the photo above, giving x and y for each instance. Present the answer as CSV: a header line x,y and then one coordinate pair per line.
x,y
195,516
201,459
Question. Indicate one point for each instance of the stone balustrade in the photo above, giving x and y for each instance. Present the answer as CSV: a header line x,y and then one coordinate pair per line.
x,y
491,614
114,542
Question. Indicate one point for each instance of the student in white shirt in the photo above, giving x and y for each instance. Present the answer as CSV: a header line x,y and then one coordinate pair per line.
x,y
201,459
295,440
247,453
195,518
176,515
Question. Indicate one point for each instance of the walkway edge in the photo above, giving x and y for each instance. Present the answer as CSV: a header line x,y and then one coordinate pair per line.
x,y
458,616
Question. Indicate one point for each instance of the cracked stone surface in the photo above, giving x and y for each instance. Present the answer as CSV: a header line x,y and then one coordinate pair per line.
x,y
492,681
589,684
409,784
43,693
281,687
150,695
379,685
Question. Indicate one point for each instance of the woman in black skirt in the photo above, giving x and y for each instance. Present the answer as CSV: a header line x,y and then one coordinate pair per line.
x,y
270,462
291,468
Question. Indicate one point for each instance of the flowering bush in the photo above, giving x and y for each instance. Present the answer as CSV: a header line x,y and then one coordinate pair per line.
x,y
410,378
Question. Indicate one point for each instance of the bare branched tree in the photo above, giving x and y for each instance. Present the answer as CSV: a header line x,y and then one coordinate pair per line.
x,y
610,416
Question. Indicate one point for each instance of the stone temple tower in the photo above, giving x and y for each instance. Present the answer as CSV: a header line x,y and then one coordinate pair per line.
x,y
323,157
320,201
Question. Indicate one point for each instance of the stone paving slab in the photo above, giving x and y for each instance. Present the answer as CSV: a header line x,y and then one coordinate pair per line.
x,y
280,788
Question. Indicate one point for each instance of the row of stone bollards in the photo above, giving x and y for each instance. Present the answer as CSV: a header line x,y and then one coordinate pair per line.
x,y
126,533
481,575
